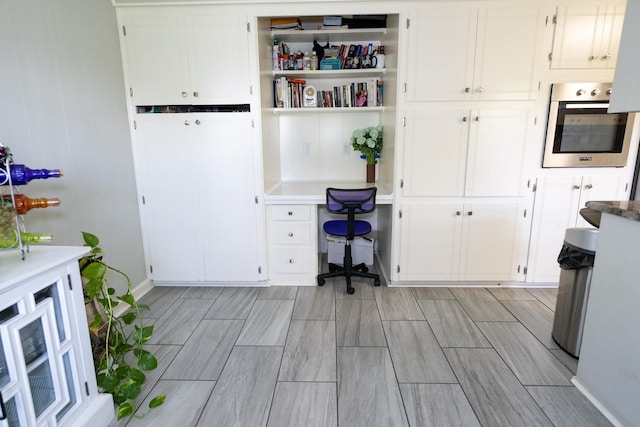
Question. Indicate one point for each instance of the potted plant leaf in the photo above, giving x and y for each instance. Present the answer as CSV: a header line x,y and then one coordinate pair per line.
x,y
117,340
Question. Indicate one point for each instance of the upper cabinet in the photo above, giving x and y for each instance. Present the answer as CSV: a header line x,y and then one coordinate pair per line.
x,y
464,152
587,36
458,53
175,56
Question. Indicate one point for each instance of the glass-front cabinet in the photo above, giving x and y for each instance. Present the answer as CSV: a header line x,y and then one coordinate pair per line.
x,y
45,379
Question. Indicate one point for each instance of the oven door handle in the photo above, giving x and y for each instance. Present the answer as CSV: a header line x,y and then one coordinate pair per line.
x,y
569,106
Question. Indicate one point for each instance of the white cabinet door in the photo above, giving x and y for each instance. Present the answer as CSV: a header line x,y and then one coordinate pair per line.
x,y
587,36
457,53
557,206
156,62
168,162
435,151
229,222
197,181
430,241
507,49
441,53
626,85
219,59
496,152
172,57
494,241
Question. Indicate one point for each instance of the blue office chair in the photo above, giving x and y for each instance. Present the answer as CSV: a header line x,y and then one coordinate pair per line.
x,y
349,202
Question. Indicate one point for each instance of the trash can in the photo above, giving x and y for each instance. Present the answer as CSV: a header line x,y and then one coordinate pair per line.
x,y
576,262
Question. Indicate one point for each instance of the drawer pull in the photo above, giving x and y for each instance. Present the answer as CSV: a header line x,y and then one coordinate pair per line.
x,y
290,234
291,261
290,213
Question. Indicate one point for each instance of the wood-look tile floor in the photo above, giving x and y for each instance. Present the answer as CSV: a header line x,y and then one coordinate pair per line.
x,y
316,356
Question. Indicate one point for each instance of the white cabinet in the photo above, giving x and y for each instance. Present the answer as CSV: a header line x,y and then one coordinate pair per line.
x,y
293,244
558,202
587,36
46,366
456,151
463,240
461,53
175,56
196,179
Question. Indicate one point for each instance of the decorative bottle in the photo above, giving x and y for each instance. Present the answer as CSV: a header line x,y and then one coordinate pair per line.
x,y
12,241
380,57
314,60
21,175
24,204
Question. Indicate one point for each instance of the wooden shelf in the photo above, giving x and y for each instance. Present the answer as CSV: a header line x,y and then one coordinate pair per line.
x,y
320,110
308,36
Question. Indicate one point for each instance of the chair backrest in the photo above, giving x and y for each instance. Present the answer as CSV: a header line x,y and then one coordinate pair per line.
x,y
357,200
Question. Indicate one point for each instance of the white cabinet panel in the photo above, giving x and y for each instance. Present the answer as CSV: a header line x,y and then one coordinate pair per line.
x,y
494,240
174,57
435,151
196,177
452,151
430,241
452,241
557,205
587,36
496,152
458,53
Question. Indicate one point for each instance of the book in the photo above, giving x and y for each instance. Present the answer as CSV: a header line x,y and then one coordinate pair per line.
x,y
286,23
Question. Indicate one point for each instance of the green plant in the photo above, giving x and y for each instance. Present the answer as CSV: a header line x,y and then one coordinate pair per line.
x,y
369,142
116,340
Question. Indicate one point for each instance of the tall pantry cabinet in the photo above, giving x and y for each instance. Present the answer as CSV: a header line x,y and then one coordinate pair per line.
x,y
188,82
464,201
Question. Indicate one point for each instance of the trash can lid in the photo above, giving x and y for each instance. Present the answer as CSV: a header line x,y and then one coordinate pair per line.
x,y
585,238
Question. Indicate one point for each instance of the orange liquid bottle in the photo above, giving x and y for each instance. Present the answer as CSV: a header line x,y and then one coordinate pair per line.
x,y
24,204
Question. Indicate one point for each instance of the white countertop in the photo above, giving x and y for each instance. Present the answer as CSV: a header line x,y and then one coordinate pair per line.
x,y
39,259
314,192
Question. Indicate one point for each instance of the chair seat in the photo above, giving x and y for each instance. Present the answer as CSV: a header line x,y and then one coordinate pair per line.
x,y
338,227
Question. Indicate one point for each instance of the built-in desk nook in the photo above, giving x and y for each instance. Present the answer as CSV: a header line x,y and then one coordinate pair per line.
x,y
296,242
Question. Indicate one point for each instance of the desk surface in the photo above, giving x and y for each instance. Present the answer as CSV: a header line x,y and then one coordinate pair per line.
x,y
314,192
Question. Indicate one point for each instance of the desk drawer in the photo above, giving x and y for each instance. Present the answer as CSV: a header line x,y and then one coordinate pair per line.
x,y
291,259
290,212
290,233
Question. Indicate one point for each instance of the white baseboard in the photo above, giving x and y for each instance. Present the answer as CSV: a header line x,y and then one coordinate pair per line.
x,y
100,413
608,415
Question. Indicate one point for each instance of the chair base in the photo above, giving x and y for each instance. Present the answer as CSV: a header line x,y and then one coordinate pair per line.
x,y
347,270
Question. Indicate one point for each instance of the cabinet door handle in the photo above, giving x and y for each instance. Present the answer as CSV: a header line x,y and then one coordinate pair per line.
x,y
198,122
290,234
184,94
480,89
605,57
465,119
290,213
467,90
576,187
186,123
291,261
594,57
458,213
470,213
196,94
477,118
588,186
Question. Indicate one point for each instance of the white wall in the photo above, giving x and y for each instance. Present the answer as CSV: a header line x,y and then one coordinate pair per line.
x,y
62,105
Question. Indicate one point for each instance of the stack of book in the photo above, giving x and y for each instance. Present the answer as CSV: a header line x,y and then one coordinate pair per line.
x,y
287,23
288,93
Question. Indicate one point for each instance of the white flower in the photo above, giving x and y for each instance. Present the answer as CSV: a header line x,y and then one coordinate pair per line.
x,y
361,140
371,143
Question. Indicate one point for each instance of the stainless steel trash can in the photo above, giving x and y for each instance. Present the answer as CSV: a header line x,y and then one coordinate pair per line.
x,y
576,262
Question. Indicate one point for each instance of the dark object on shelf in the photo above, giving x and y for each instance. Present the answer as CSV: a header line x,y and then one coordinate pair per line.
x,y
366,21
349,202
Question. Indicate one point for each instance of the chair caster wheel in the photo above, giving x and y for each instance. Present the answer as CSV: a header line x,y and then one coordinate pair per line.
x,y
320,282
350,291
376,283
365,269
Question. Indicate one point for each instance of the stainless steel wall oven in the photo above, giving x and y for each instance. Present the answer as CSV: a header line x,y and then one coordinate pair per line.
x,y
580,131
